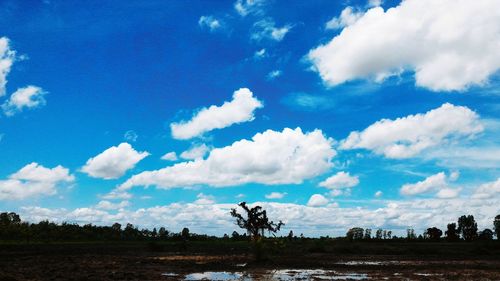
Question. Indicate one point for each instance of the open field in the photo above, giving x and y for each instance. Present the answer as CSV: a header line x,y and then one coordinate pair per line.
x,y
229,260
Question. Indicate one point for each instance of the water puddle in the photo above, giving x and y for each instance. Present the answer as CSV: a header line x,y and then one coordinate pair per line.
x,y
314,274
275,275
220,276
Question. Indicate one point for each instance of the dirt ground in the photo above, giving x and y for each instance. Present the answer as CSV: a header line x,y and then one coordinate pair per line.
x,y
70,263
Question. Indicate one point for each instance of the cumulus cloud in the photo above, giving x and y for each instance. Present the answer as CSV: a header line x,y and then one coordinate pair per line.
x,y
7,57
418,213
107,205
374,3
116,194
275,195
317,200
378,194
488,190
407,136
24,98
209,22
271,157
34,180
195,152
347,17
267,29
248,7
204,199
340,180
113,162
240,109
445,43
169,156
437,182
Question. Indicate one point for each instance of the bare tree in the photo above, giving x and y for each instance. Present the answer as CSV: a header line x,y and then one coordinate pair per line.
x,y
256,221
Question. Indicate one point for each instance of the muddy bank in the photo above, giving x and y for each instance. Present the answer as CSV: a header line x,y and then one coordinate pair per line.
x,y
138,262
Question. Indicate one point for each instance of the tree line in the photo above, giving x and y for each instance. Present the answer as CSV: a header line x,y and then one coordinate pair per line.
x,y
254,221
13,228
464,229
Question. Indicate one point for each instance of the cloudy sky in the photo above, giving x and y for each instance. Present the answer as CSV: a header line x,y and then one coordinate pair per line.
x,y
330,114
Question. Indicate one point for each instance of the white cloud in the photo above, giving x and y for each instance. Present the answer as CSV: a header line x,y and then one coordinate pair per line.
x,y
107,205
169,156
317,200
275,195
204,199
195,152
340,180
271,157
266,29
308,102
215,219
437,182
116,194
209,22
274,74
378,194
130,136
347,17
445,43
240,109
33,180
28,97
260,54
488,190
406,137
7,58
113,162
447,193
374,3
247,7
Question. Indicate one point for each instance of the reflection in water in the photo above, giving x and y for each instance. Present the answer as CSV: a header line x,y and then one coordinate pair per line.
x,y
222,276
275,275
314,274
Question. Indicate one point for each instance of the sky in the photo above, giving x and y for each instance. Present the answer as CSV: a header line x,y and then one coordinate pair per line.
x,y
329,114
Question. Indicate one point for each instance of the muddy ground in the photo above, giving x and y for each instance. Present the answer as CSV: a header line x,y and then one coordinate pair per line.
x,y
102,262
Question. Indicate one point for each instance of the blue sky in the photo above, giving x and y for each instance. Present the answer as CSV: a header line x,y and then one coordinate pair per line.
x,y
392,109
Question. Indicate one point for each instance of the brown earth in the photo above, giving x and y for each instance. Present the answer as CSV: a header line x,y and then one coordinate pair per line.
x,y
81,262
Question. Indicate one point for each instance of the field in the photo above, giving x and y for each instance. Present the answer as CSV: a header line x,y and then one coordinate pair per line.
x,y
301,259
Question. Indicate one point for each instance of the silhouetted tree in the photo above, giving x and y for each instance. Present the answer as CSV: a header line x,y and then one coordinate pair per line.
x,y
290,235
368,234
486,234
256,221
452,232
467,226
496,225
185,233
378,234
433,233
410,234
355,233
163,233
